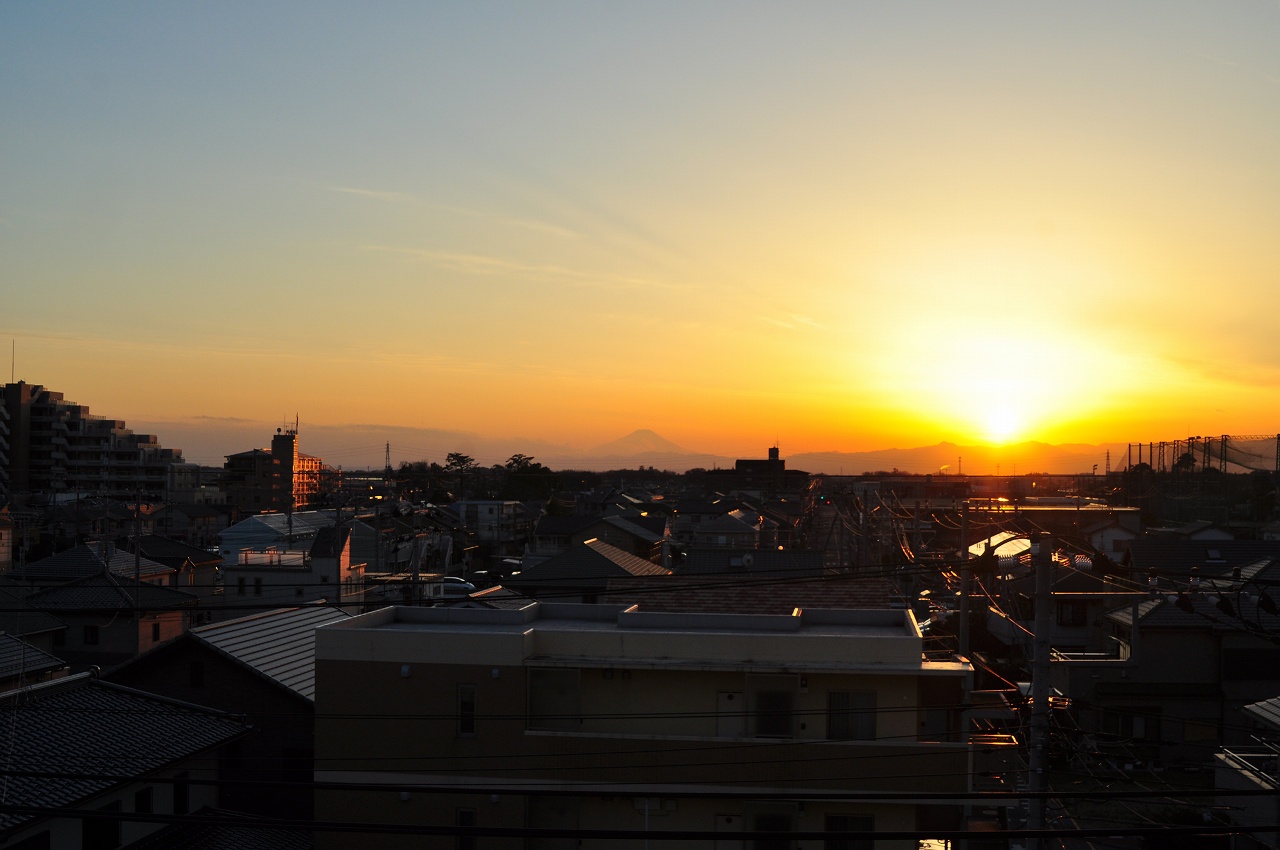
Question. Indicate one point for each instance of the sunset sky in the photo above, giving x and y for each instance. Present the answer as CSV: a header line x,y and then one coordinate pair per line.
x,y
835,226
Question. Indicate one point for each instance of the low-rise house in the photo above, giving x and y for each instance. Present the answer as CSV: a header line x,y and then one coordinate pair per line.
x,y
195,570
641,535
193,524
273,578
89,559
214,829
780,564
689,515
1189,655
283,531
737,529
623,719
1255,770
20,619
92,764
1109,536
111,618
582,573
22,664
261,667
1081,597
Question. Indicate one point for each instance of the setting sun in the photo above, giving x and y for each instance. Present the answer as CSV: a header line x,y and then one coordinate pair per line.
x,y
1003,424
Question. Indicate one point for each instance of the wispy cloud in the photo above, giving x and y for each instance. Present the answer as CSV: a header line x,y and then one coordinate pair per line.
x,y
480,264
534,225
394,197
523,223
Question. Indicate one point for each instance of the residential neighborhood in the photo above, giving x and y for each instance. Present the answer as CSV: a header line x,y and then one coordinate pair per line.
x,y
279,652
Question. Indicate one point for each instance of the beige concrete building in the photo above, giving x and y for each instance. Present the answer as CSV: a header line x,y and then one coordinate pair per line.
x,y
571,718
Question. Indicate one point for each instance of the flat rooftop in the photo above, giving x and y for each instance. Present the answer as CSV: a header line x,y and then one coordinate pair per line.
x,y
625,635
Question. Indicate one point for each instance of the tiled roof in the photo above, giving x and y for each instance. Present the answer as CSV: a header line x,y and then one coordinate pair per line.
x,y
730,523
591,562
84,725
496,597
791,562
1267,711
329,542
303,523
640,532
279,645
172,552
209,829
555,525
89,558
194,511
1176,556
17,657
751,594
1163,611
19,617
104,592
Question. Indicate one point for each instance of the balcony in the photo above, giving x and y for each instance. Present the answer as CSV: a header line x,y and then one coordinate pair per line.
x,y
795,764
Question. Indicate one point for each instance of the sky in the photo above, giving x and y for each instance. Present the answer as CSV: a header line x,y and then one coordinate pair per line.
x,y
841,226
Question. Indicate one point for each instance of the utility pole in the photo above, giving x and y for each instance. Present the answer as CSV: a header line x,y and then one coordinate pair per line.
x,y
965,583
1038,732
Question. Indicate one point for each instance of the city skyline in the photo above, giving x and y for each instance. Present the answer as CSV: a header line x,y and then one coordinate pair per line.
x,y
833,227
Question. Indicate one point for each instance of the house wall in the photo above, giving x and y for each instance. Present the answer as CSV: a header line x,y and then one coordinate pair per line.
x,y
119,636
280,747
166,789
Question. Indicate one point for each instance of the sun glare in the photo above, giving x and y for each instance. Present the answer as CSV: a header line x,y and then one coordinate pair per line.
x,y
1003,424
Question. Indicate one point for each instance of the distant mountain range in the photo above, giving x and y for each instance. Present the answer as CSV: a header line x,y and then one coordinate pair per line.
x,y
646,448
952,459
209,439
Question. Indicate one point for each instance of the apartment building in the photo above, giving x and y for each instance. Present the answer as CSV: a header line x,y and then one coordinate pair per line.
x,y
277,479
574,717
49,444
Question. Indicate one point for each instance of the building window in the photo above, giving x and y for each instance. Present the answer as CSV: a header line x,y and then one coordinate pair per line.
x,y
1073,613
1136,723
90,635
851,715
297,591
143,801
257,586
240,585
846,824
466,710
155,632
